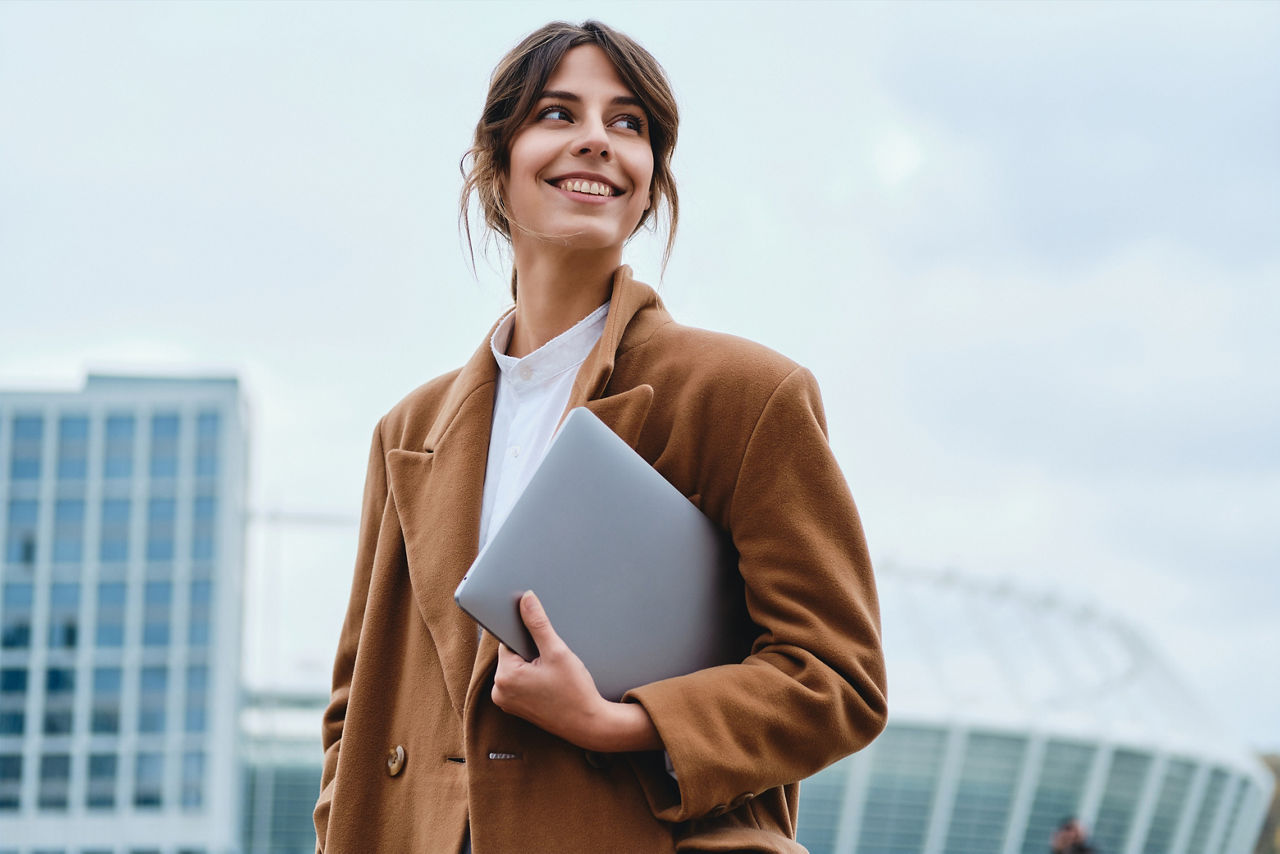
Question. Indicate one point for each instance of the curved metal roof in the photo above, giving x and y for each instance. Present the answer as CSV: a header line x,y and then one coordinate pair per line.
x,y
981,652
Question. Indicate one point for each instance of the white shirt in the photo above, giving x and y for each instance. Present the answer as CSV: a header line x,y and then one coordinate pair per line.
x,y
530,399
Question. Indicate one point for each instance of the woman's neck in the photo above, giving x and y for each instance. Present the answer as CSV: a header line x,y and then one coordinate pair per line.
x,y
554,293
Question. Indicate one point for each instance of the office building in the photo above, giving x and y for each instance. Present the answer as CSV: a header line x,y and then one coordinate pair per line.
x,y
120,596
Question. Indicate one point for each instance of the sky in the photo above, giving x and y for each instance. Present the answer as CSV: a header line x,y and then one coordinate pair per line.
x,y
1030,251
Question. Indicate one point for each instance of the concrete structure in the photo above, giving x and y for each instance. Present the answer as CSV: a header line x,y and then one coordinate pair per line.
x,y
122,521
1010,711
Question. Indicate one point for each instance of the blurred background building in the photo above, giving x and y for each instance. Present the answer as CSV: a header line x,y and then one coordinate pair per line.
x,y
1012,711
120,605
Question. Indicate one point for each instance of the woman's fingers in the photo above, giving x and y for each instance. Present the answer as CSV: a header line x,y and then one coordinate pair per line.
x,y
539,624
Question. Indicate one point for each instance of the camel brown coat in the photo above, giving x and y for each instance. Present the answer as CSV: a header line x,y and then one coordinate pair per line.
x,y
414,746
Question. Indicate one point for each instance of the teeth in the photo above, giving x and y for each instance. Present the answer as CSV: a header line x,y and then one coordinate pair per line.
x,y
593,188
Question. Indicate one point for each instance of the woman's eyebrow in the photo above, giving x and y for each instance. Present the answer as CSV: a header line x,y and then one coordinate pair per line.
x,y
563,95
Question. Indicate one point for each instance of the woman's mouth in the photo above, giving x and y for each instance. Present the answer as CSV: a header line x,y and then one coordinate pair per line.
x,y
590,188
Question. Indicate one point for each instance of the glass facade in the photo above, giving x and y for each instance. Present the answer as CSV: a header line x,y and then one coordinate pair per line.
x,y
117,457
108,685
59,700
64,615
897,797
111,614
27,447
905,769
20,536
100,793
16,606
1124,786
984,794
164,445
1064,772
73,447
1208,809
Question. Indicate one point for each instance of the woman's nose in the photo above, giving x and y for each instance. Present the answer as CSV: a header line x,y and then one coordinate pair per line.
x,y
592,139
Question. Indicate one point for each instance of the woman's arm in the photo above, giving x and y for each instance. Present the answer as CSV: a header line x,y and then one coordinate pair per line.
x,y
813,688
555,692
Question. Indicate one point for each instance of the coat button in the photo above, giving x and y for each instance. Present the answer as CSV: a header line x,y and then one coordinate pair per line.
x,y
395,761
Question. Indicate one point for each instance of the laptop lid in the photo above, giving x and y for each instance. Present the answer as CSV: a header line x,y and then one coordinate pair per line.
x,y
636,580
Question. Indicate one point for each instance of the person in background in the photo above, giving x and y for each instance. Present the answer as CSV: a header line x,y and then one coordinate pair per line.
x,y
1071,838
440,740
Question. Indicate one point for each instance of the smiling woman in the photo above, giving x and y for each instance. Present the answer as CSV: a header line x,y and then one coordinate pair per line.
x,y
437,737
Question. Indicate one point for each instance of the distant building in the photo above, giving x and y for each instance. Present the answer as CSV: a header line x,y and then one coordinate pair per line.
x,y
1011,711
122,522
1269,840
282,766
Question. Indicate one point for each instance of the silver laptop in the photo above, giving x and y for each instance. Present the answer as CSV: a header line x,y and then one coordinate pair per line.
x,y
637,582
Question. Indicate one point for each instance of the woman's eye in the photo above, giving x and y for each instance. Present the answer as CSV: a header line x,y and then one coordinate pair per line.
x,y
630,123
556,114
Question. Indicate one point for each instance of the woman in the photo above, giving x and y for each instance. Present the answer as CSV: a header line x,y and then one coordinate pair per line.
x,y
436,739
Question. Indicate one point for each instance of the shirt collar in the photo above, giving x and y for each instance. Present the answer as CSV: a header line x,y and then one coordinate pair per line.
x,y
567,350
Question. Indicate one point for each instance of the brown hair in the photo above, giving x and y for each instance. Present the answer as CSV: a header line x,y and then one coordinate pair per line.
x,y
515,87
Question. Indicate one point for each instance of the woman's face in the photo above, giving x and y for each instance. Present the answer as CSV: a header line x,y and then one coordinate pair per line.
x,y
581,166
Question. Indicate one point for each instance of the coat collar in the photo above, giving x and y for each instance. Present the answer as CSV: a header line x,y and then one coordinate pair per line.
x,y
438,490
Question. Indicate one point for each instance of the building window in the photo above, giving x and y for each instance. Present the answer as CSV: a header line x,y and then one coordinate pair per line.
x,y
193,778
55,780
151,699
73,447
1120,799
160,517
10,780
155,625
203,527
20,541
113,545
201,603
15,615
197,692
1169,806
984,793
24,463
59,699
1208,809
904,778
64,615
164,445
13,699
207,428
105,716
68,530
101,791
117,461
110,632
1064,772
148,780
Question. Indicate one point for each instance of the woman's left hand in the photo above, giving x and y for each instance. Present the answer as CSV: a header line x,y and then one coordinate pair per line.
x,y
556,693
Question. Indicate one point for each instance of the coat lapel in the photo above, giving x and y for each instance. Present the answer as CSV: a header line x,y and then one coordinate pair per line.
x,y
438,493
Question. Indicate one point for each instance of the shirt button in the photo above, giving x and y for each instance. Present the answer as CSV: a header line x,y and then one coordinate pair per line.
x,y
515,451
395,760
526,372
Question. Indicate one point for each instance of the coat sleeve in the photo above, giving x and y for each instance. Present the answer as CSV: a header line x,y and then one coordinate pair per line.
x,y
813,688
375,500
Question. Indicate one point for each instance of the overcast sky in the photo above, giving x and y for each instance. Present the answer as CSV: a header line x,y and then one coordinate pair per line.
x,y
1031,252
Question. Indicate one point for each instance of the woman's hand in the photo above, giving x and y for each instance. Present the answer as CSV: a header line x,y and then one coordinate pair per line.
x,y
556,693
